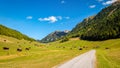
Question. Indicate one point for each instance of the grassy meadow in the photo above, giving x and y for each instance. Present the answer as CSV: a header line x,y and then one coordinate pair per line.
x,y
39,55
55,53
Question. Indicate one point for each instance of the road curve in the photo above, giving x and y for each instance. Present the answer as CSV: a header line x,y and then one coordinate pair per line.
x,y
86,60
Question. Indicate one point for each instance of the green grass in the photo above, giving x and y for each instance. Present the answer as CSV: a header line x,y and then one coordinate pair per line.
x,y
106,58
40,59
41,56
109,58
49,55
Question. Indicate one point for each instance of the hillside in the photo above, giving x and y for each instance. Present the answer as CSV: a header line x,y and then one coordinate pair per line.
x,y
54,36
104,25
13,33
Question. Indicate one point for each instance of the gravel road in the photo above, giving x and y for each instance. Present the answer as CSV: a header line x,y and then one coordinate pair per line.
x,y
86,60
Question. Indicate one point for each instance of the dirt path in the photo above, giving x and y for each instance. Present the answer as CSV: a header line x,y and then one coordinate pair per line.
x,y
86,60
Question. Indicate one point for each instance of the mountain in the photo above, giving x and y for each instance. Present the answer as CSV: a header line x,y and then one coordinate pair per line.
x,y
104,25
13,33
54,36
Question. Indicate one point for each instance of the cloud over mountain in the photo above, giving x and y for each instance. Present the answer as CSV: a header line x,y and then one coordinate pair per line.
x,y
109,2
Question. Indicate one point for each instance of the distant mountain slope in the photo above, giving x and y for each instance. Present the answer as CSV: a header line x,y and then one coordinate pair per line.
x,y
54,36
13,33
104,25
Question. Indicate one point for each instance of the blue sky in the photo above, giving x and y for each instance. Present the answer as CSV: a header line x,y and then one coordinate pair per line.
x,y
38,18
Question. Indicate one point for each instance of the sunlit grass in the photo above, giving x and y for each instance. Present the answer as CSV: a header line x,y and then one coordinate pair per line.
x,y
38,56
109,58
52,54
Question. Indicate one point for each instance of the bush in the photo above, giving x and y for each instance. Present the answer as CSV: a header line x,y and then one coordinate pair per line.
x,y
64,39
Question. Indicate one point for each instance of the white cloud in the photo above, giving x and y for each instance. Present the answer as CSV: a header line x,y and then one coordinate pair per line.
x,y
62,2
51,19
29,17
109,2
92,6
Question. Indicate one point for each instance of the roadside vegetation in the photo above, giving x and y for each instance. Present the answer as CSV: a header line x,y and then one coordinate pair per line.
x,y
108,56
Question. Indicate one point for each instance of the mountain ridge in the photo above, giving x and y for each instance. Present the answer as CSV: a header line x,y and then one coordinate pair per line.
x,y
56,35
104,25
